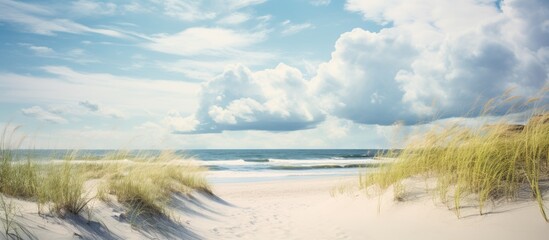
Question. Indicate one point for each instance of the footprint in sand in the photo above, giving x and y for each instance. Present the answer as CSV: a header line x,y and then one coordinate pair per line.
x,y
340,234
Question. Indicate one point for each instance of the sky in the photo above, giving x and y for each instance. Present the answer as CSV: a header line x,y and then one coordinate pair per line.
x,y
190,74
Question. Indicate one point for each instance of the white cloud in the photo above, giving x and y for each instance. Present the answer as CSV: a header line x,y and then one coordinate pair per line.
x,y
203,10
196,69
234,19
290,28
41,50
176,123
187,10
438,58
74,55
203,69
320,2
423,66
332,133
238,4
43,115
273,99
88,7
446,15
199,40
41,20
362,69
85,108
134,7
125,96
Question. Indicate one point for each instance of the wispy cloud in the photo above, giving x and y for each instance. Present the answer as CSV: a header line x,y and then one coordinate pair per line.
x,y
84,108
41,20
89,7
319,2
203,10
126,96
209,67
291,28
43,115
200,40
41,50
238,4
187,10
234,19
74,55
134,7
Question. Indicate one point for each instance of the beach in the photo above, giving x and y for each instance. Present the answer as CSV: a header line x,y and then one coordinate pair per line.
x,y
274,120
319,208
334,209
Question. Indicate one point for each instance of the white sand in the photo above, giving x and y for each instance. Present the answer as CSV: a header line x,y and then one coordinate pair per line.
x,y
301,209
308,210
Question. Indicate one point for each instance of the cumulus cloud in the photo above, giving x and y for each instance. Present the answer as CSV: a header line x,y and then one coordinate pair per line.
x,y
358,82
43,115
435,58
177,123
273,99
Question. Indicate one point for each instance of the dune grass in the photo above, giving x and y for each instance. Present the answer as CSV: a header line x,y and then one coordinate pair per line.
x,y
492,162
148,184
62,187
139,180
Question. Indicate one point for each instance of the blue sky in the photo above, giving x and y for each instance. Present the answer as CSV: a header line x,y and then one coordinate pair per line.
x,y
259,73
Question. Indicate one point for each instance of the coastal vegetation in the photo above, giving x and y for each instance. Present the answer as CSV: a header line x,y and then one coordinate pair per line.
x,y
66,184
486,163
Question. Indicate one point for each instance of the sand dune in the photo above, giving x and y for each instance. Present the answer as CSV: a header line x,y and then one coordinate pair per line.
x,y
300,209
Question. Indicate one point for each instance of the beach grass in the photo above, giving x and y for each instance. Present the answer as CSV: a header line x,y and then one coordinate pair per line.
x,y
62,186
147,184
499,161
142,181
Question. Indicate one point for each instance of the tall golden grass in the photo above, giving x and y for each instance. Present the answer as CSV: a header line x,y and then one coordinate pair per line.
x,y
491,162
144,181
148,183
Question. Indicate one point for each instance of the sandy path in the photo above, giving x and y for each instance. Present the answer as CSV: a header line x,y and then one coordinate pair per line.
x,y
274,210
306,209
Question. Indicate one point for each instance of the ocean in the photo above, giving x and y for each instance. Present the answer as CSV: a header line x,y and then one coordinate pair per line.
x,y
254,165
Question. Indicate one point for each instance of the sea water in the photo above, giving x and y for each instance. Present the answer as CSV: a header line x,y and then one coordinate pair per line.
x,y
253,165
